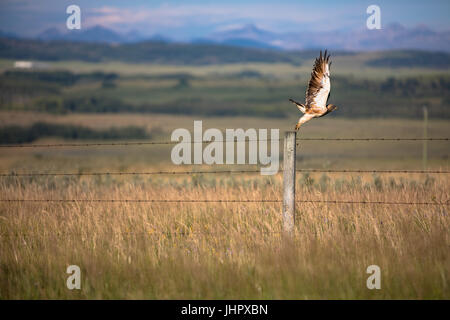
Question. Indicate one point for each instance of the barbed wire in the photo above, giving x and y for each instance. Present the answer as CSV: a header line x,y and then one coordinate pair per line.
x,y
28,174
126,173
373,171
61,145
146,233
222,201
143,200
373,139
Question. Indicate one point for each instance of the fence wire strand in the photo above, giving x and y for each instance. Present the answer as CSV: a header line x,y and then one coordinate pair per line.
x,y
142,143
217,172
445,203
144,233
31,174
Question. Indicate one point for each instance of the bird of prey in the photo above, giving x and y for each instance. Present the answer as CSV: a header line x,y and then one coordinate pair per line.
x,y
317,93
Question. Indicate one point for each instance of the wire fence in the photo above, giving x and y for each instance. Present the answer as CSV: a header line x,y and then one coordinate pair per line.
x,y
23,174
142,143
436,203
150,233
30,174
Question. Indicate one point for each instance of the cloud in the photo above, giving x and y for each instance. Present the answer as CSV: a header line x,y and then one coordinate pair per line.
x,y
175,16
229,27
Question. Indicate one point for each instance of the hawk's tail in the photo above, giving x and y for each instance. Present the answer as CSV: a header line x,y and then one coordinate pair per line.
x,y
300,106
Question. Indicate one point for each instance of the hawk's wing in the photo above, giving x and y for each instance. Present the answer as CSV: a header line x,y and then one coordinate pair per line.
x,y
319,85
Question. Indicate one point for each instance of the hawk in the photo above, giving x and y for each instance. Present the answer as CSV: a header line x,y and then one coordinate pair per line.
x,y
317,93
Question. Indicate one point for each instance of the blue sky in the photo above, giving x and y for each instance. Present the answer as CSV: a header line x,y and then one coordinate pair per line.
x,y
184,19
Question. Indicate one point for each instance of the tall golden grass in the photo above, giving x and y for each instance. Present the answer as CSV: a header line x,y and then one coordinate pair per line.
x,y
224,250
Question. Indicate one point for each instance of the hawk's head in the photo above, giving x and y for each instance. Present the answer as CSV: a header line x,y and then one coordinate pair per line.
x,y
331,107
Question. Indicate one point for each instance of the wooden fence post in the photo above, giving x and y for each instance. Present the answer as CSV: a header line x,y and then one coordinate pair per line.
x,y
289,182
425,136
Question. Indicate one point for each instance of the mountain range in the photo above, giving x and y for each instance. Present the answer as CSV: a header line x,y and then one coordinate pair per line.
x,y
97,34
391,37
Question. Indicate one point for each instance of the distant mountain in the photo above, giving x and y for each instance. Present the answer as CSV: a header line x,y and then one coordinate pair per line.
x,y
390,37
248,31
248,36
393,36
8,35
133,36
50,34
158,38
97,34
243,42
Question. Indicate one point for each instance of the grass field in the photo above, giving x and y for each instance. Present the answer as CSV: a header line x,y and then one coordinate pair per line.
x,y
223,90
346,65
226,250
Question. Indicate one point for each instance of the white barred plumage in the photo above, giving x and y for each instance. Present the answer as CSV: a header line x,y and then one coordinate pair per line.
x,y
318,92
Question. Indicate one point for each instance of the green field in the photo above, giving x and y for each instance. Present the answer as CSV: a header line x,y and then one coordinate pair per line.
x,y
343,65
223,90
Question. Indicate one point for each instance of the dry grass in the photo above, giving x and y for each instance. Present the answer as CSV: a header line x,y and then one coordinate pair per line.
x,y
216,251
219,250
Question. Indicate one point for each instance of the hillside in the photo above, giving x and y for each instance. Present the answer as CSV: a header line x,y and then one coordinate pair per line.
x,y
150,52
245,93
210,79
412,58
201,53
